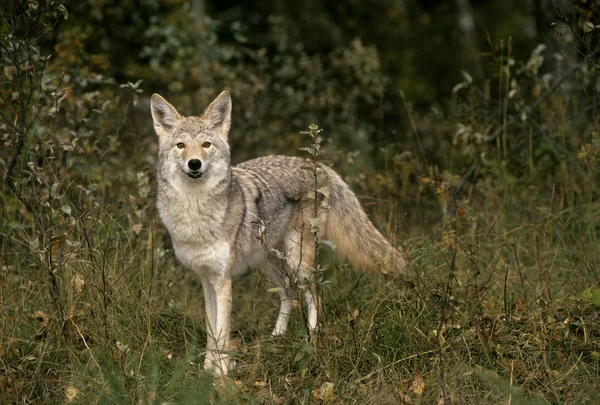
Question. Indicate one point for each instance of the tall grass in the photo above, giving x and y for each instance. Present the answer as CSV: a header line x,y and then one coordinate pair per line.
x,y
504,310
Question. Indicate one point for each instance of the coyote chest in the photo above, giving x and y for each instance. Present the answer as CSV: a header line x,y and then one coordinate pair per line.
x,y
199,237
204,258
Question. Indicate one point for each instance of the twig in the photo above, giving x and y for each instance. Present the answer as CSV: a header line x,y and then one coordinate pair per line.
x,y
412,356
414,128
86,345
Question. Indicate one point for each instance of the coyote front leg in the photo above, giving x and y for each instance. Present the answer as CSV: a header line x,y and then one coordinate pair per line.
x,y
217,299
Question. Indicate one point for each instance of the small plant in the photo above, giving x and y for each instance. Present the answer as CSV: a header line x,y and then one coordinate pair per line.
x,y
590,152
320,196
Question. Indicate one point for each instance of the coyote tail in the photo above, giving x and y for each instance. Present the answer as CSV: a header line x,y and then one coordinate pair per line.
x,y
355,235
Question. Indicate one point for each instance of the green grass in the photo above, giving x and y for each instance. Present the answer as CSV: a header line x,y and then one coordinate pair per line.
x,y
503,311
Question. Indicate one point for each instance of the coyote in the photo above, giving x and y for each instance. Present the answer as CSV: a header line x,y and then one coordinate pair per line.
x,y
224,220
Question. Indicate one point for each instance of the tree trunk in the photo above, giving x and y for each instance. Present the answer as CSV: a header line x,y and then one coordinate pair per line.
x,y
467,26
205,78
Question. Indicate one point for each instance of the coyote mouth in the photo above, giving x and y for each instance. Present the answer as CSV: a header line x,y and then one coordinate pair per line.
x,y
194,175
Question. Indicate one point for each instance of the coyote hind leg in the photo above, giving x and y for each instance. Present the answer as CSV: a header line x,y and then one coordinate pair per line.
x,y
300,249
276,273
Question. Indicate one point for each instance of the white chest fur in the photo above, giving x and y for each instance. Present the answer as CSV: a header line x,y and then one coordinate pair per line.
x,y
204,258
197,227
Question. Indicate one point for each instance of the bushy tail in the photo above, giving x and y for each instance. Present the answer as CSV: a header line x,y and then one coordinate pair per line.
x,y
355,235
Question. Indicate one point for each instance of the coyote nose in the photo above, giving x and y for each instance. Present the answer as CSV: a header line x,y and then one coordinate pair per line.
x,y
194,164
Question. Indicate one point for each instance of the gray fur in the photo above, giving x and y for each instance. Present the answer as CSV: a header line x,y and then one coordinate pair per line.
x,y
229,219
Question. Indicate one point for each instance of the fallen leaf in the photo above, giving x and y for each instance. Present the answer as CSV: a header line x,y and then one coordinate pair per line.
x,y
137,229
404,399
324,393
225,384
41,316
68,146
70,394
417,385
77,283
56,243
277,400
448,397
555,374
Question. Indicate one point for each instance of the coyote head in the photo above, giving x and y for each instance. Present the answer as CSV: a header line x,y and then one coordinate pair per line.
x,y
192,148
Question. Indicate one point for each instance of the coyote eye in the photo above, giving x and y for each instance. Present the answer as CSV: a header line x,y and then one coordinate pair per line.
x,y
181,145
206,145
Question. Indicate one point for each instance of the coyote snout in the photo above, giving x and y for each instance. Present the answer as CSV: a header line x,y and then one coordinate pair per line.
x,y
194,165
193,158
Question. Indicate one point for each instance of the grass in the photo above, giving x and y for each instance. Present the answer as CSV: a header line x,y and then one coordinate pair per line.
x,y
94,308
503,311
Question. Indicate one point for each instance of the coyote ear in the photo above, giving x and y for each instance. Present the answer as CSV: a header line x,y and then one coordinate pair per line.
x,y
164,115
218,113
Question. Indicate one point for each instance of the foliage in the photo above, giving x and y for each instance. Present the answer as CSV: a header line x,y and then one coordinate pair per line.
x,y
475,151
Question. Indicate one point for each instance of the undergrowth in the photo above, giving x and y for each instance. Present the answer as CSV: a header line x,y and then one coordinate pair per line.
x,y
496,210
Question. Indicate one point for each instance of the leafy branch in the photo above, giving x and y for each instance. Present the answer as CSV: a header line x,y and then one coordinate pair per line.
x,y
24,84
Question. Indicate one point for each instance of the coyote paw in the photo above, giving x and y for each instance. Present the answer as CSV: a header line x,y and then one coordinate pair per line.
x,y
218,364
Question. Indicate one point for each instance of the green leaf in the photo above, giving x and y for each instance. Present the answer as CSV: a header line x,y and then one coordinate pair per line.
x,y
315,223
585,150
66,209
322,268
310,149
135,85
591,295
467,76
329,243
34,244
595,296
123,348
459,86
324,190
63,10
